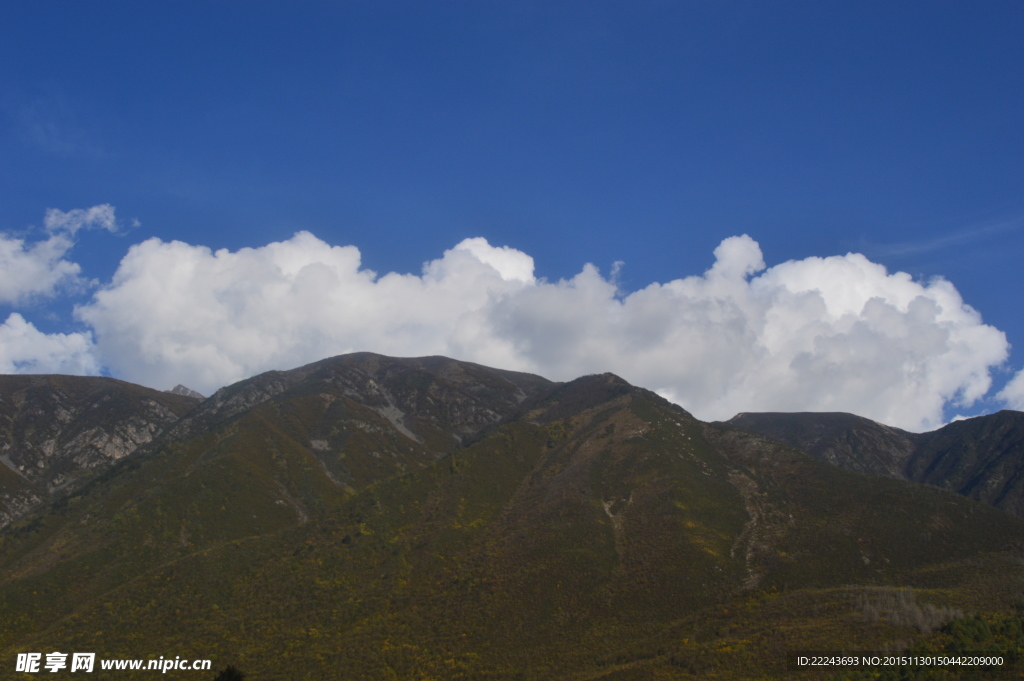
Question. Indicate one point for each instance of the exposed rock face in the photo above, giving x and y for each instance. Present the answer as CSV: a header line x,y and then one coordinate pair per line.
x,y
58,431
17,495
981,458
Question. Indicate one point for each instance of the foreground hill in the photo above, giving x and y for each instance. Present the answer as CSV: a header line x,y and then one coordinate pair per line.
x,y
981,458
56,432
367,517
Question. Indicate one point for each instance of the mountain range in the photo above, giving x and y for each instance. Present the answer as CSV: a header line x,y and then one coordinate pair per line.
x,y
382,518
981,458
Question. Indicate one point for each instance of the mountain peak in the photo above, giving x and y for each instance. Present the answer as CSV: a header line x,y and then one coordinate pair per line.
x,y
186,392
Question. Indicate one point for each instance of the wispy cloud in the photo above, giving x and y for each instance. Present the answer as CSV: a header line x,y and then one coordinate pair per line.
x,y
958,238
49,122
97,217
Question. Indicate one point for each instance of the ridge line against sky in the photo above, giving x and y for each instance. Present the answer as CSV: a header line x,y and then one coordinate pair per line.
x,y
278,156
835,333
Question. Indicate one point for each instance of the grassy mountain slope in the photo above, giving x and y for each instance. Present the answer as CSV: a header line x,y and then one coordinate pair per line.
x,y
597,532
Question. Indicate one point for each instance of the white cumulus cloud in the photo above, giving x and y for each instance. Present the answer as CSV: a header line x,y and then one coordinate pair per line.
x,y
26,350
821,334
175,312
39,269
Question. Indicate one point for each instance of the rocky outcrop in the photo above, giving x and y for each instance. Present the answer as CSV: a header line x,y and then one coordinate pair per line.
x,y
59,431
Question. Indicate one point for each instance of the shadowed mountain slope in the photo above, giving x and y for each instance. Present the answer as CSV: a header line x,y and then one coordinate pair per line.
x,y
981,458
365,517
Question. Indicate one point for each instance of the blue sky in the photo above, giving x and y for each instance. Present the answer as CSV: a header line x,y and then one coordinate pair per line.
x,y
591,132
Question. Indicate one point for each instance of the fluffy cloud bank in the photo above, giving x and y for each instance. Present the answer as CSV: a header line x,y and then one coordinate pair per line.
x,y
821,334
